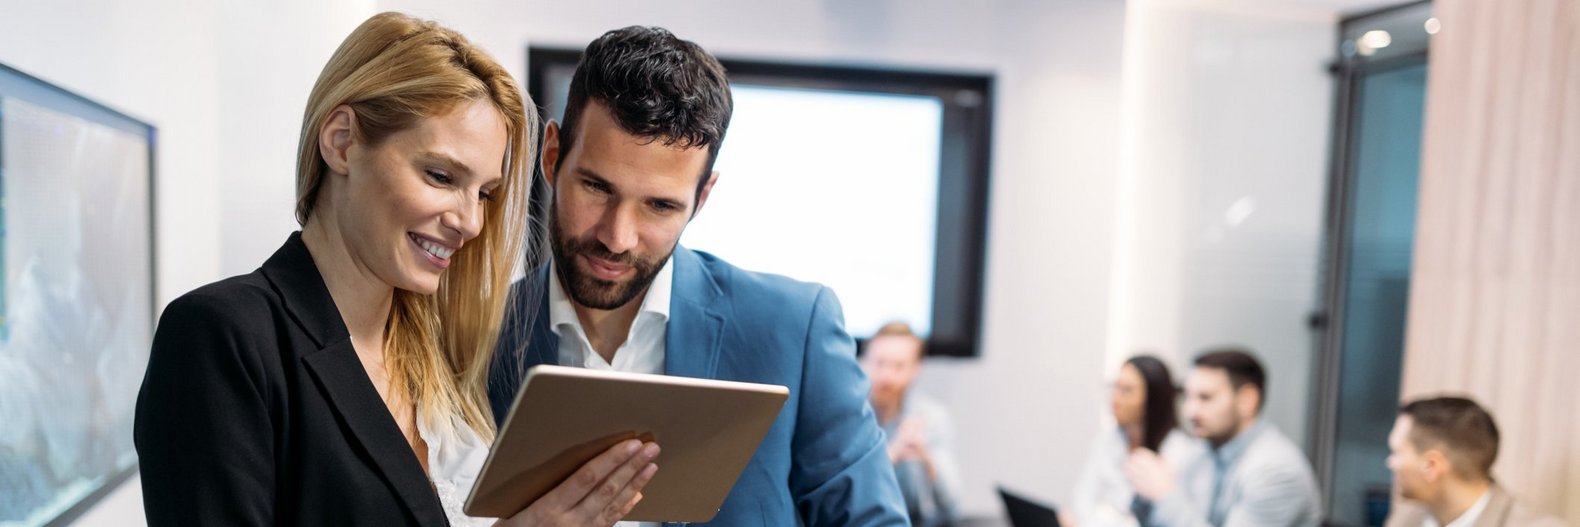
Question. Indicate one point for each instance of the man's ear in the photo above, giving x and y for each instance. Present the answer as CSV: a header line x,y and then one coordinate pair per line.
x,y
551,151
707,188
336,137
1435,465
1248,399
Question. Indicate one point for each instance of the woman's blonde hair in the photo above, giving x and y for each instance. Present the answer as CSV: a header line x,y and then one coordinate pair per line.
x,y
393,71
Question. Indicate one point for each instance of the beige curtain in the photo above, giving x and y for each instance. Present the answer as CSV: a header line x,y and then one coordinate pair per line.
x,y
1495,294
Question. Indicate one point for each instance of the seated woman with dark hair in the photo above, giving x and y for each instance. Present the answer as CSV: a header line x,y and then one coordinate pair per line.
x,y
1143,398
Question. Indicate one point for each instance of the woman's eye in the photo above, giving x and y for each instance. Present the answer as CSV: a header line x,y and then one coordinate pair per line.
x,y
485,196
439,177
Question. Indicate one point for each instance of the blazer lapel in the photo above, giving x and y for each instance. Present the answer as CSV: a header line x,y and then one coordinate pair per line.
x,y
545,348
341,377
696,320
525,341
344,382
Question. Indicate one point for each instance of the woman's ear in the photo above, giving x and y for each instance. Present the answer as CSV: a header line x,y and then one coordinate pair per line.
x,y
336,137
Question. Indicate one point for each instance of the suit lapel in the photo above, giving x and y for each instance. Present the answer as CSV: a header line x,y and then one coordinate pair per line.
x,y
344,382
545,348
696,321
525,341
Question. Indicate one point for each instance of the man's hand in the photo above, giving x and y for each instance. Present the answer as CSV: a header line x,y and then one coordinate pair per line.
x,y
909,441
602,492
1151,475
910,444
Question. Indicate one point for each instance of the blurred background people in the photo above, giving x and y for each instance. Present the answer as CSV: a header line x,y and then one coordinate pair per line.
x,y
917,427
1248,475
1143,399
1441,452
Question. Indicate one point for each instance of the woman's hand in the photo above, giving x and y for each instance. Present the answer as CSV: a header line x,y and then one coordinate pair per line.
x,y
1150,474
602,492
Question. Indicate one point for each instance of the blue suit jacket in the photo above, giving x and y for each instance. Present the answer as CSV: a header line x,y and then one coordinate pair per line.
x,y
824,461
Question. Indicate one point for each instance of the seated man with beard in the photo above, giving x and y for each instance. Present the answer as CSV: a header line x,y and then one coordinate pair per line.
x,y
1247,473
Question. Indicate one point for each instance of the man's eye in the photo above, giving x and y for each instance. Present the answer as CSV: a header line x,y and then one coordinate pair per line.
x,y
596,186
439,177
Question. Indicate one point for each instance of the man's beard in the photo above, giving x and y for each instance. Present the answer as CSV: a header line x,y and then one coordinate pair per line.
x,y
1222,436
593,292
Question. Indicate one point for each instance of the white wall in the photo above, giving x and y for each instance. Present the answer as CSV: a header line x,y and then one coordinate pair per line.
x,y
270,54
1222,190
226,85
139,59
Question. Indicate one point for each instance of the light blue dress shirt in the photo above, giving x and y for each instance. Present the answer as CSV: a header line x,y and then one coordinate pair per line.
x,y
1258,479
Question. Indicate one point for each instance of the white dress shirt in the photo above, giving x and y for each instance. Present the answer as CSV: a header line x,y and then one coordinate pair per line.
x,y
456,453
643,349
1469,517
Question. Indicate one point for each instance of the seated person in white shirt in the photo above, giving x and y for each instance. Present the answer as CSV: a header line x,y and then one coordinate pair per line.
x,y
1441,452
1248,474
917,427
1143,398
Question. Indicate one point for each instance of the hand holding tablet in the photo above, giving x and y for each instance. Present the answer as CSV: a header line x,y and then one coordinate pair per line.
x,y
564,417
581,499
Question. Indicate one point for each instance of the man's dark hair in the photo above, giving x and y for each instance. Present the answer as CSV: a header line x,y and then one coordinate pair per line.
x,y
1458,427
656,86
1159,418
1242,367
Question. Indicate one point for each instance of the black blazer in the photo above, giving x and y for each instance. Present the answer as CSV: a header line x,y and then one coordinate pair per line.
x,y
256,411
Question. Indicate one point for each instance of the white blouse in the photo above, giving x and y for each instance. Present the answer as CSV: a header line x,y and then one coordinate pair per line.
x,y
455,456
1103,492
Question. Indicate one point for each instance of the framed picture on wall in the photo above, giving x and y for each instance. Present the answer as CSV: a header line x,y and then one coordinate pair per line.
x,y
76,299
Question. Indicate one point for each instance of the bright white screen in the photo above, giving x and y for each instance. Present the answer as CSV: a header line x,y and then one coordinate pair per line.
x,y
834,187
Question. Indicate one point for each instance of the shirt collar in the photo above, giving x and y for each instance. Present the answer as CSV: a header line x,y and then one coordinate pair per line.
x,y
1230,452
563,313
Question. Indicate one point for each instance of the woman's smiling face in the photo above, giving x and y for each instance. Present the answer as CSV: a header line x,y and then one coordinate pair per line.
x,y
414,199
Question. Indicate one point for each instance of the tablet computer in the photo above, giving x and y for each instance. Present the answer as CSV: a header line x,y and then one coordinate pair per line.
x,y
563,417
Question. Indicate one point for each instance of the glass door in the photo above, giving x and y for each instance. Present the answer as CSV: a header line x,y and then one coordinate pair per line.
x,y
1381,83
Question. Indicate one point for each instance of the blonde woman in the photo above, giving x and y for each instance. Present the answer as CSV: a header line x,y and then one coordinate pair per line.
x,y
344,381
